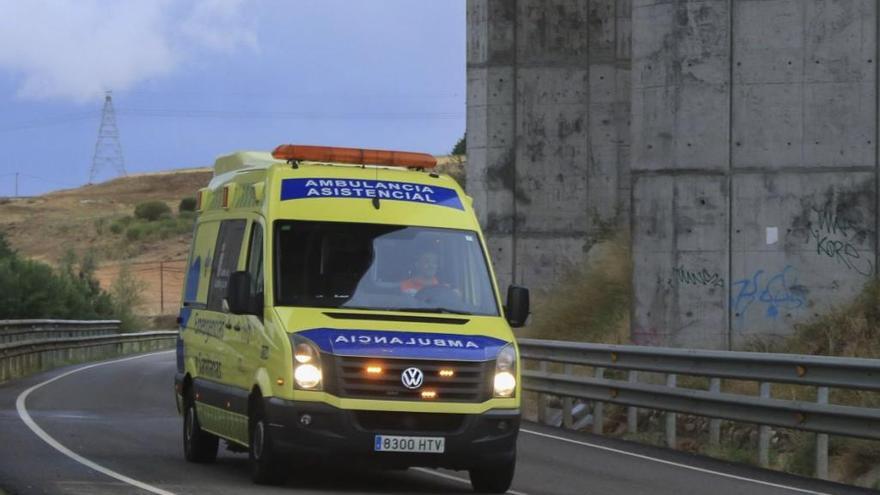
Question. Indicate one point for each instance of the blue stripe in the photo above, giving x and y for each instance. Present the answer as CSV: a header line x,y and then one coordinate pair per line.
x,y
412,192
377,343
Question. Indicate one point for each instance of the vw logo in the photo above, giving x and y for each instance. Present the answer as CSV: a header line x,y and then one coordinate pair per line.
x,y
412,378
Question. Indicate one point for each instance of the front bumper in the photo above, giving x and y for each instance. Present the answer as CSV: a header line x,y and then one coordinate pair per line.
x,y
472,440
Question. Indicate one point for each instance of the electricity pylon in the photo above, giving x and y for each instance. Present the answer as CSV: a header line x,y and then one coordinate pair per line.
x,y
108,150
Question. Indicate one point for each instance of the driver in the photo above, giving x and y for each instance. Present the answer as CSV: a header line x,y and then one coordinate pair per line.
x,y
423,274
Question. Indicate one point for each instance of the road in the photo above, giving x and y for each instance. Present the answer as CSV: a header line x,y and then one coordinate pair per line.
x,y
119,417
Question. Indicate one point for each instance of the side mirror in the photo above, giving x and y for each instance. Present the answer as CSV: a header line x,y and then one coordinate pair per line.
x,y
517,309
238,294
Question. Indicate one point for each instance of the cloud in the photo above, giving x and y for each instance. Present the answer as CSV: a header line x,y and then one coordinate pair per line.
x,y
77,49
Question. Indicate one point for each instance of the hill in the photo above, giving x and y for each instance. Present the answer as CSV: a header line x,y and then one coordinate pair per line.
x,y
97,218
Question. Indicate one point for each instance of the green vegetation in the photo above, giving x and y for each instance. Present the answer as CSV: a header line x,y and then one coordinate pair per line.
x,y
152,221
127,293
151,210
460,147
591,304
30,289
187,204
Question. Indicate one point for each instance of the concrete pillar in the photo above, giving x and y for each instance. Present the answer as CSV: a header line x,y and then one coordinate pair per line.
x,y
548,128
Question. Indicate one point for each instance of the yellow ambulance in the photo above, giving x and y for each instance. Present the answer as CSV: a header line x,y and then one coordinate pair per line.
x,y
339,304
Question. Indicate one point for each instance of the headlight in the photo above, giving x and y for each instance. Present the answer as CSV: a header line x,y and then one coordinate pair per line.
x,y
505,372
306,364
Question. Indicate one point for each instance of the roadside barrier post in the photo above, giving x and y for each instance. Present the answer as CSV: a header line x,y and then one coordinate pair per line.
x,y
542,398
715,423
671,441
822,440
764,433
599,407
567,404
632,413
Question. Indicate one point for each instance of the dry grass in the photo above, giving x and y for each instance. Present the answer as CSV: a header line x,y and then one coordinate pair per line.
x,y
591,304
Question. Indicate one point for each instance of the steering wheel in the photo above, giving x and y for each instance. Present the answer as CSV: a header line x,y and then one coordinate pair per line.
x,y
438,294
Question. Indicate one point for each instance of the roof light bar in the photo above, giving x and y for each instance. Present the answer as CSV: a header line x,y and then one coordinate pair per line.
x,y
355,156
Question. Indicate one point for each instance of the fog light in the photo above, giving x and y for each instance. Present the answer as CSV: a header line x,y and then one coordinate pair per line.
x,y
305,419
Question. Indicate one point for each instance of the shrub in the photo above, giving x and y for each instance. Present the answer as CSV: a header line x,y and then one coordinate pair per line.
x,y
126,293
136,232
30,289
187,204
151,210
592,303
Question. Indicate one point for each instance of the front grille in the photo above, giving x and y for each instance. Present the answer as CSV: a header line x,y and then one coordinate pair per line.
x,y
393,422
470,383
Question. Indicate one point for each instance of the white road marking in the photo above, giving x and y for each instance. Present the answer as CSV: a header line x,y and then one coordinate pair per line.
x,y
455,478
26,417
671,463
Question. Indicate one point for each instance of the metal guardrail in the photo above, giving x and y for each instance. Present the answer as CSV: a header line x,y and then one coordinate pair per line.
x,y
31,346
765,368
20,330
23,357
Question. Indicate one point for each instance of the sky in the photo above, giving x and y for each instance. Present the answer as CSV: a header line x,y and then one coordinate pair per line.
x,y
195,79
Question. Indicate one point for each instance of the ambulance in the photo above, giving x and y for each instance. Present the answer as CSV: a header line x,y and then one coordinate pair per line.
x,y
340,307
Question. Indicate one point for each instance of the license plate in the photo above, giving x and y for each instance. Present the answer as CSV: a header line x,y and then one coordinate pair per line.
x,y
427,445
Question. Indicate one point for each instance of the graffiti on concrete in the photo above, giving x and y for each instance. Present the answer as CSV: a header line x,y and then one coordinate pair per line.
x,y
703,277
647,336
838,238
771,292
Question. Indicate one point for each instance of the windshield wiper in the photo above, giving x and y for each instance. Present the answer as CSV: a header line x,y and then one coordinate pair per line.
x,y
410,310
431,310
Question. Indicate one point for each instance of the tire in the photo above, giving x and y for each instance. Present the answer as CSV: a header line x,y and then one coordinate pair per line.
x,y
267,466
198,445
493,479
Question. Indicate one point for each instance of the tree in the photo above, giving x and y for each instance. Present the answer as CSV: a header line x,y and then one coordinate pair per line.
x,y
5,249
460,147
151,210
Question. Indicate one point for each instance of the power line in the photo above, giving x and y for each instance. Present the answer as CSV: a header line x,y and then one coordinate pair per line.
x,y
51,181
49,121
244,114
234,115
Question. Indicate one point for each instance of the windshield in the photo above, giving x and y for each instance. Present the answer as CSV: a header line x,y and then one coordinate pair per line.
x,y
383,267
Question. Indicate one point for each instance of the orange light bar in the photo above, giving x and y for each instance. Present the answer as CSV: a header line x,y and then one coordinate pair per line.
x,y
429,394
225,203
355,156
447,373
374,370
199,201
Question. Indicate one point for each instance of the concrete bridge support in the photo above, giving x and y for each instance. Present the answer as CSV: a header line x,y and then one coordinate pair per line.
x,y
548,93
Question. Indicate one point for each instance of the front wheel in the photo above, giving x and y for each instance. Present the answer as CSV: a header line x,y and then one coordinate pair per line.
x,y
267,467
493,479
198,445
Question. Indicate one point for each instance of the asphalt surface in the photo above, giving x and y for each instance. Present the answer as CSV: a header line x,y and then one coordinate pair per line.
x,y
121,417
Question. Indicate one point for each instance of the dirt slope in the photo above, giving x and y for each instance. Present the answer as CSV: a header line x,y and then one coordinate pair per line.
x,y
45,227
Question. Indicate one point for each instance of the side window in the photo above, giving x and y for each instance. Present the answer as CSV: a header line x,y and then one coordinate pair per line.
x,y
195,291
255,259
225,261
